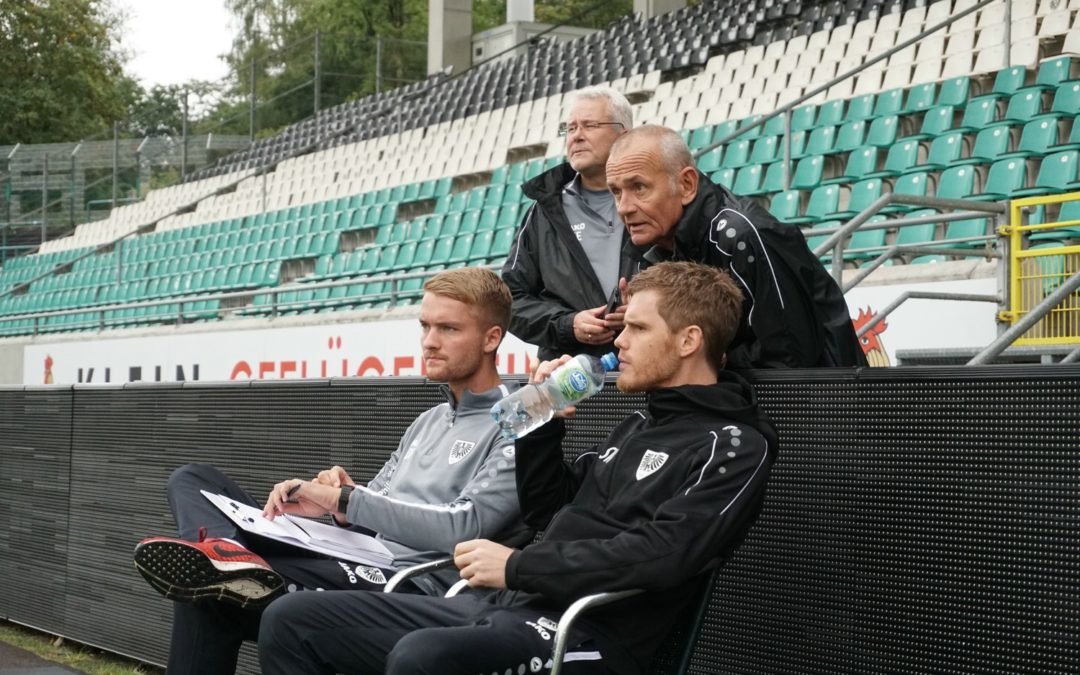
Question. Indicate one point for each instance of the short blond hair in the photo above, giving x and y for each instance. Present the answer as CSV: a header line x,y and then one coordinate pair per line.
x,y
478,287
692,294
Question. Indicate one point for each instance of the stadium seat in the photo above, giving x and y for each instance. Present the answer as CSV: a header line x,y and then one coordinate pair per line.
x,y
956,182
945,149
860,162
1057,173
912,184
1005,178
861,195
1036,139
990,143
901,157
784,206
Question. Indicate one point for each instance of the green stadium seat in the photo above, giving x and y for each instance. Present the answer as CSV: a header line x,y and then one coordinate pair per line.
x,y
450,225
860,161
804,117
917,235
1008,81
1038,136
862,195
515,175
414,230
427,190
830,113
725,177
912,184
462,245
1066,101
386,258
956,182
723,130
990,143
1073,141
489,216
1053,72
501,244
902,156
980,113
773,180
388,215
432,226
954,92
920,97
513,195
850,136
937,121
481,247
736,154
403,261
944,150
961,229
440,255
785,206
764,150
883,131
459,201
411,193
860,108
470,220
498,176
813,242
1023,105
710,161
823,200
509,215
808,173
423,252
866,239
889,102
1070,211
442,186
748,180
774,126
533,168
1004,179
494,195
476,198
821,141
1057,173
700,137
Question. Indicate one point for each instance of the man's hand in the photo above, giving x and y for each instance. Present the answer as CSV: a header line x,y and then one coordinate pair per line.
x,y
482,562
335,476
542,371
302,498
590,327
614,320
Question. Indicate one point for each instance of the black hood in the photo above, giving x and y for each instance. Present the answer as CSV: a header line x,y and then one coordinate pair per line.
x,y
550,183
730,397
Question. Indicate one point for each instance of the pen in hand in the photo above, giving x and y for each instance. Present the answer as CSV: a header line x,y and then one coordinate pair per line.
x,y
291,492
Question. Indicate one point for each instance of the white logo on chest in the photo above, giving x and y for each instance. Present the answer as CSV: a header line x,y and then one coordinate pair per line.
x,y
578,229
460,450
651,463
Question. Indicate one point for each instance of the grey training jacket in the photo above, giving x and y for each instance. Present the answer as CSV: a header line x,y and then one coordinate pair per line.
x,y
450,480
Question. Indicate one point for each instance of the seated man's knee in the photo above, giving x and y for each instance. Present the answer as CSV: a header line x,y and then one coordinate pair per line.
x,y
277,627
190,474
418,654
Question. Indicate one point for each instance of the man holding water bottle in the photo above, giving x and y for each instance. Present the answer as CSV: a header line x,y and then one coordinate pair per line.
x,y
669,493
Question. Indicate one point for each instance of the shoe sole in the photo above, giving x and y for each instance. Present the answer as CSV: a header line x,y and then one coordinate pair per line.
x,y
186,574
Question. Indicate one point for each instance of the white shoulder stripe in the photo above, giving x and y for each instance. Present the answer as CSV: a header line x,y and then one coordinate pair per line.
x,y
761,244
452,507
517,244
712,453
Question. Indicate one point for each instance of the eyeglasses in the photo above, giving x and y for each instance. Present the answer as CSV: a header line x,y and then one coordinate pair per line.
x,y
589,127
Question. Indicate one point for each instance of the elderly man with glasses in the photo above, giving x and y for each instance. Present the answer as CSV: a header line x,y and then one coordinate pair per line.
x,y
565,269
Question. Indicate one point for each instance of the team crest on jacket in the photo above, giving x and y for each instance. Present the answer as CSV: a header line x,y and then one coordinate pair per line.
x,y
651,463
460,450
371,574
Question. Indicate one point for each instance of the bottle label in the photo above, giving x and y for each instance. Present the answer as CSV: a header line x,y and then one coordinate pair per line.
x,y
573,385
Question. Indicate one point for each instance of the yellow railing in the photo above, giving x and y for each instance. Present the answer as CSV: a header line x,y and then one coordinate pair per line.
x,y
1036,271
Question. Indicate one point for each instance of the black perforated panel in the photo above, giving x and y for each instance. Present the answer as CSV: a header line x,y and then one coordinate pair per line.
x,y
918,520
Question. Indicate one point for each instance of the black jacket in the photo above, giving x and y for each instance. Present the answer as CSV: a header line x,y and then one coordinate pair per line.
x,y
671,490
794,314
549,273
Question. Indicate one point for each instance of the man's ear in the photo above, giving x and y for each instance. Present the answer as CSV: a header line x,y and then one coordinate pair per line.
x,y
688,184
690,340
492,339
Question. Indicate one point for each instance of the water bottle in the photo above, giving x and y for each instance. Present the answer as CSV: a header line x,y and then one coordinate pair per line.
x,y
532,405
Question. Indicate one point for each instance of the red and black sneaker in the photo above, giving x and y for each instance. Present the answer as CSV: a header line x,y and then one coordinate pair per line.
x,y
216,569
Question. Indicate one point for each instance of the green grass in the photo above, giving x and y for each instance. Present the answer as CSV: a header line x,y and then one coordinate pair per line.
x,y
70,654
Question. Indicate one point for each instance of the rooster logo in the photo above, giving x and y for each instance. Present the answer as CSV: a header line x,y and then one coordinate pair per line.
x,y
871,339
49,379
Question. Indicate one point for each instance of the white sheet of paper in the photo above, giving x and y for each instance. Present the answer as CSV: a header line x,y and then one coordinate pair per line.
x,y
336,542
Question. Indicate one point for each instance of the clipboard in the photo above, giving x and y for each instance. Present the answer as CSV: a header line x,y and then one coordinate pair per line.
x,y
336,542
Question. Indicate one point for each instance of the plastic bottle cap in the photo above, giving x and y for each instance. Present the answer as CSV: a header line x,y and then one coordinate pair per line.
x,y
609,361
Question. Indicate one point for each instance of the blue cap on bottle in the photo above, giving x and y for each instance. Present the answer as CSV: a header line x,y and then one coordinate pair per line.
x,y
609,361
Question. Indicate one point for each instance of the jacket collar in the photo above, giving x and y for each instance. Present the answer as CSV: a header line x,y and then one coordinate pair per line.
x,y
688,229
471,401
731,397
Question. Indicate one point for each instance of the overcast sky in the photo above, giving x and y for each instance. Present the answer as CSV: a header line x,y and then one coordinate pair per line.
x,y
173,41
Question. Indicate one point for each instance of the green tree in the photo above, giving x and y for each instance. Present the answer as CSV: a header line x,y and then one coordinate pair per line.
x,y
63,76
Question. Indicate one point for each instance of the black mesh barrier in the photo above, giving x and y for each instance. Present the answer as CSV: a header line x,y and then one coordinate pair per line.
x,y
35,480
917,520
